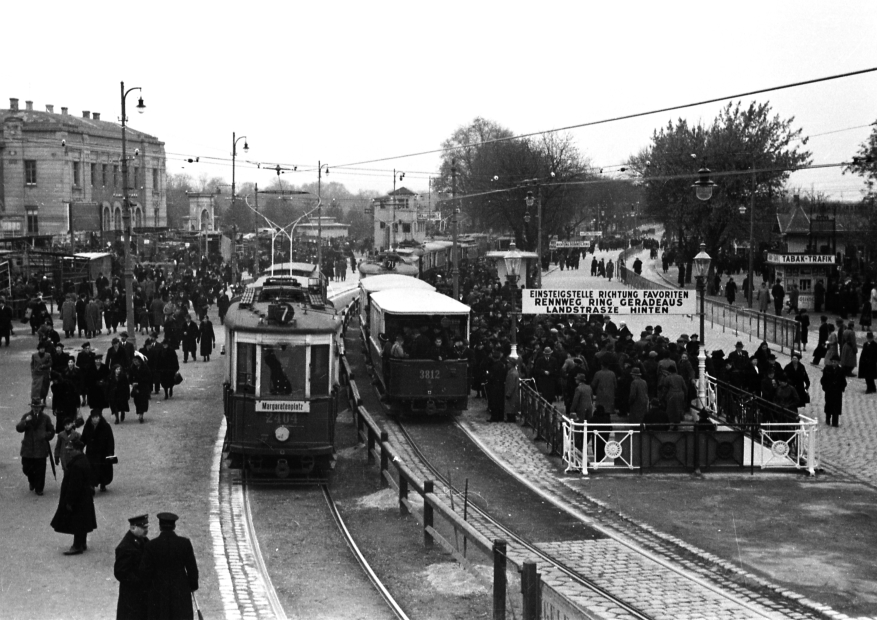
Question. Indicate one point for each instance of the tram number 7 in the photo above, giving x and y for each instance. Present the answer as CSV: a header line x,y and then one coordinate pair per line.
x,y
433,375
281,418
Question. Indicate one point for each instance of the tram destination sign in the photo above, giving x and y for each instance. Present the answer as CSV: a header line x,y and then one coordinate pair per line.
x,y
283,406
599,301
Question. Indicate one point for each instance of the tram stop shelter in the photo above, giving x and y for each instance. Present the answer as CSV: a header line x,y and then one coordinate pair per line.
x,y
804,270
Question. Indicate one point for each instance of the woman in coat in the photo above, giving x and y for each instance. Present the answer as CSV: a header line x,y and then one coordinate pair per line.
x,y
798,378
97,435
40,366
118,392
207,338
168,366
674,393
512,404
868,363
75,514
763,298
93,318
141,385
849,351
831,347
96,382
639,397
68,317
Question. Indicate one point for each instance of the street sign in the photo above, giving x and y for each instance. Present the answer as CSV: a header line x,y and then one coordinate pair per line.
x,y
601,301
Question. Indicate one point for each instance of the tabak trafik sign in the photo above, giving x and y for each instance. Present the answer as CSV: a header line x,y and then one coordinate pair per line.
x,y
801,259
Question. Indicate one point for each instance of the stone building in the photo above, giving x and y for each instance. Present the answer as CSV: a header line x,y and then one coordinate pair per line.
x,y
400,216
61,173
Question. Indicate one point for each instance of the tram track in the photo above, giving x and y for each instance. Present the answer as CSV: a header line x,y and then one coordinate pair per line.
x,y
742,599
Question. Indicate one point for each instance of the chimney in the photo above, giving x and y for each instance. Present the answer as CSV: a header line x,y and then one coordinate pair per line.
x,y
50,108
86,114
64,111
95,116
29,105
13,104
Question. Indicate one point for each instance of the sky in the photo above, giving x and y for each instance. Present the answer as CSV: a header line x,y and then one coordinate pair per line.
x,y
352,82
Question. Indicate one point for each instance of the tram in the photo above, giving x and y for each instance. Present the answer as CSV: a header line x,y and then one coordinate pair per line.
x,y
282,383
420,382
369,286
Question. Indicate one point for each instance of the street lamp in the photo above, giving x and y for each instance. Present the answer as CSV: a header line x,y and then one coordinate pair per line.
x,y
129,269
234,152
701,268
512,260
537,200
320,167
704,185
401,175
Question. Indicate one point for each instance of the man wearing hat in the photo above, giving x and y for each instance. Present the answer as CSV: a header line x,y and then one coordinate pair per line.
x,y
75,513
132,603
169,571
116,355
545,371
128,348
738,358
5,320
38,432
638,400
496,374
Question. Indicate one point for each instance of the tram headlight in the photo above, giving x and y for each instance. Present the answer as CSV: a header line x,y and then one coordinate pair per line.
x,y
281,433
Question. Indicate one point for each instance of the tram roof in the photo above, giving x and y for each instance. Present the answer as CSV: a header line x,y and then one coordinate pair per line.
x,y
254,319
302,269
417,301
388,281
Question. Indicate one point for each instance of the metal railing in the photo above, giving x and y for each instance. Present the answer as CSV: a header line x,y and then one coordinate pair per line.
x,y
543,417
777,330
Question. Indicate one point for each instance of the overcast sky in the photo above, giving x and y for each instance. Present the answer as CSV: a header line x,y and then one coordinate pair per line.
x,y
347,82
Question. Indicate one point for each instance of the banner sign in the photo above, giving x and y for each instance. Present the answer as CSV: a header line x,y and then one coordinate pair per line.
x,y
598,301
801,259
557,245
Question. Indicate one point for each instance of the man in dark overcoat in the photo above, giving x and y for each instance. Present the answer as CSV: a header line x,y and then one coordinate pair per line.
x,y
207,338
868,363
189,340
170,572
97,435
35,449
545,371
833,384
496,374
133,604
5,321
75,514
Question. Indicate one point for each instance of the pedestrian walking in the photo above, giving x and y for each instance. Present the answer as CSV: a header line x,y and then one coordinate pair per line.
x,y
63,450
40,367
207,338
731,291
5,320
168,366
794,294
75,514
133,601
638,399
496,374
763,298
604,385
118,393
778,293
35,448
68,316
610,270
582,404
849,350
833,383
170,572
868,363
803,320
100,449
93,317
512,405
141,385
189,340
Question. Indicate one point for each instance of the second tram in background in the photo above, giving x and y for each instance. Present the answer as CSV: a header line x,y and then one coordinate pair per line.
x,y
409,333
284,340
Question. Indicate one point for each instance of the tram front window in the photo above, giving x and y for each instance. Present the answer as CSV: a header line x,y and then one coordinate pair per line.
x,y
283,371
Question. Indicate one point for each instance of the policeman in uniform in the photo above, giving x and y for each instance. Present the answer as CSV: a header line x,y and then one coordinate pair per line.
x,y
170,572
129,554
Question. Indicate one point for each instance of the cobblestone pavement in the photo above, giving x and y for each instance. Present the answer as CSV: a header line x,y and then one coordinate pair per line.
x,y
848,449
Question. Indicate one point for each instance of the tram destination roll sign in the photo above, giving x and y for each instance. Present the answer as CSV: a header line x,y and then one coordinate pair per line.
x,y
597,301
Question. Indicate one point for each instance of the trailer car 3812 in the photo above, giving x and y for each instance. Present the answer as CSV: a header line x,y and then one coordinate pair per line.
x,y
282,381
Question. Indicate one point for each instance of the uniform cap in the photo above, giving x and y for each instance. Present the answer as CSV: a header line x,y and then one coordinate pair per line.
x,y
140,520
166,518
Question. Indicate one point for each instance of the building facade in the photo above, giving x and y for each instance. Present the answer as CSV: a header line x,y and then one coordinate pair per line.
x,y
400,216
62,174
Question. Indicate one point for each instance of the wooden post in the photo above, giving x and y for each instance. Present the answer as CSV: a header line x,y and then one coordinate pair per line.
x,y
403,494
371,445
531,588
384,458
499,578
427,514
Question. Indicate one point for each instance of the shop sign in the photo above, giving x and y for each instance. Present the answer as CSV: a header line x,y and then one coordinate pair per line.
x,y
801,259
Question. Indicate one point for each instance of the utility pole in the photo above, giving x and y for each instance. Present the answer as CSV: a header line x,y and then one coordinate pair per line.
x,y
455,269
751,236
256,236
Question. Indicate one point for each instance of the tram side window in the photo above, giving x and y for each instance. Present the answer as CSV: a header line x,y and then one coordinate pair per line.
x,y
246,368
283,371
319,370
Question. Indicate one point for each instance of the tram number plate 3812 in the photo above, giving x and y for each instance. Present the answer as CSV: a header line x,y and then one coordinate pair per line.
x,y
433,375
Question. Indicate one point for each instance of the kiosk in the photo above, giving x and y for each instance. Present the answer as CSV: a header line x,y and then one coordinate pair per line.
x,y
804,270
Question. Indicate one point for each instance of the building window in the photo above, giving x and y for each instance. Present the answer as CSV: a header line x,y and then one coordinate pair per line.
x,y
105,223
103,175
115,176
76,172
30,171
155,179
406,227
33,223
10,228
93,175
117,219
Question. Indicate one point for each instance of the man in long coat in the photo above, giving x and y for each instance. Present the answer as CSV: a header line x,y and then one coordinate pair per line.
x,y
97,435
604,385
170,571
512,394
75,514
38,432
207,338
189,340
68,316
133,602
496,374
639,397
833,384
545,371
868,363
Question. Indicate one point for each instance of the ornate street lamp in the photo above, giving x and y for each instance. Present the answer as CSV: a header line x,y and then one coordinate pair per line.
x,y
128,267
513,260
701,269
704,185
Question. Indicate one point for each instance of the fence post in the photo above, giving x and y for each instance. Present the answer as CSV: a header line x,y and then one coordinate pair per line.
x,y
371,445
384,458
427,514
532,591
499,578
403,494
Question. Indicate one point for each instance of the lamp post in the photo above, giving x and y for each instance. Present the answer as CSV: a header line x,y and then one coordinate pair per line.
x,y
701,268
512,260
401,176
455,254
537,200
320,167
234,152
129,269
